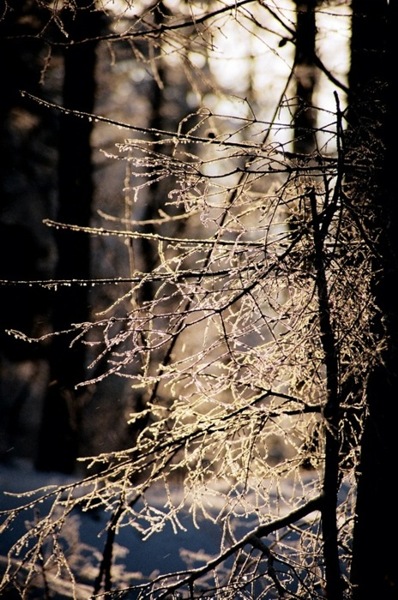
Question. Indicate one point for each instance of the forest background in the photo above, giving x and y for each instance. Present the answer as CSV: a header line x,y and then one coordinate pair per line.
x,y
199,196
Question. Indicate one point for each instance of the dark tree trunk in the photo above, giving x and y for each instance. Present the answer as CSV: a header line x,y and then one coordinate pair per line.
x,y
305,76
374,567
26,182
305,73
59,437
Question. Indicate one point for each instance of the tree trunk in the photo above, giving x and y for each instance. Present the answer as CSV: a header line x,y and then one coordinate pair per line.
x,y
26,148
59,437
374,571
305,73
28,135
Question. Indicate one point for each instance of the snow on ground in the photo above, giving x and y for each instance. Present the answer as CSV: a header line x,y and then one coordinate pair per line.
x,y
135,559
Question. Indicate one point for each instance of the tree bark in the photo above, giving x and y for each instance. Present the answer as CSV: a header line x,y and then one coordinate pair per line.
x,y
305,73
59,436
27,137
374,571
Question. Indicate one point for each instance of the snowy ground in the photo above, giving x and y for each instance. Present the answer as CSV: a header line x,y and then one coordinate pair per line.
x,y
135,559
